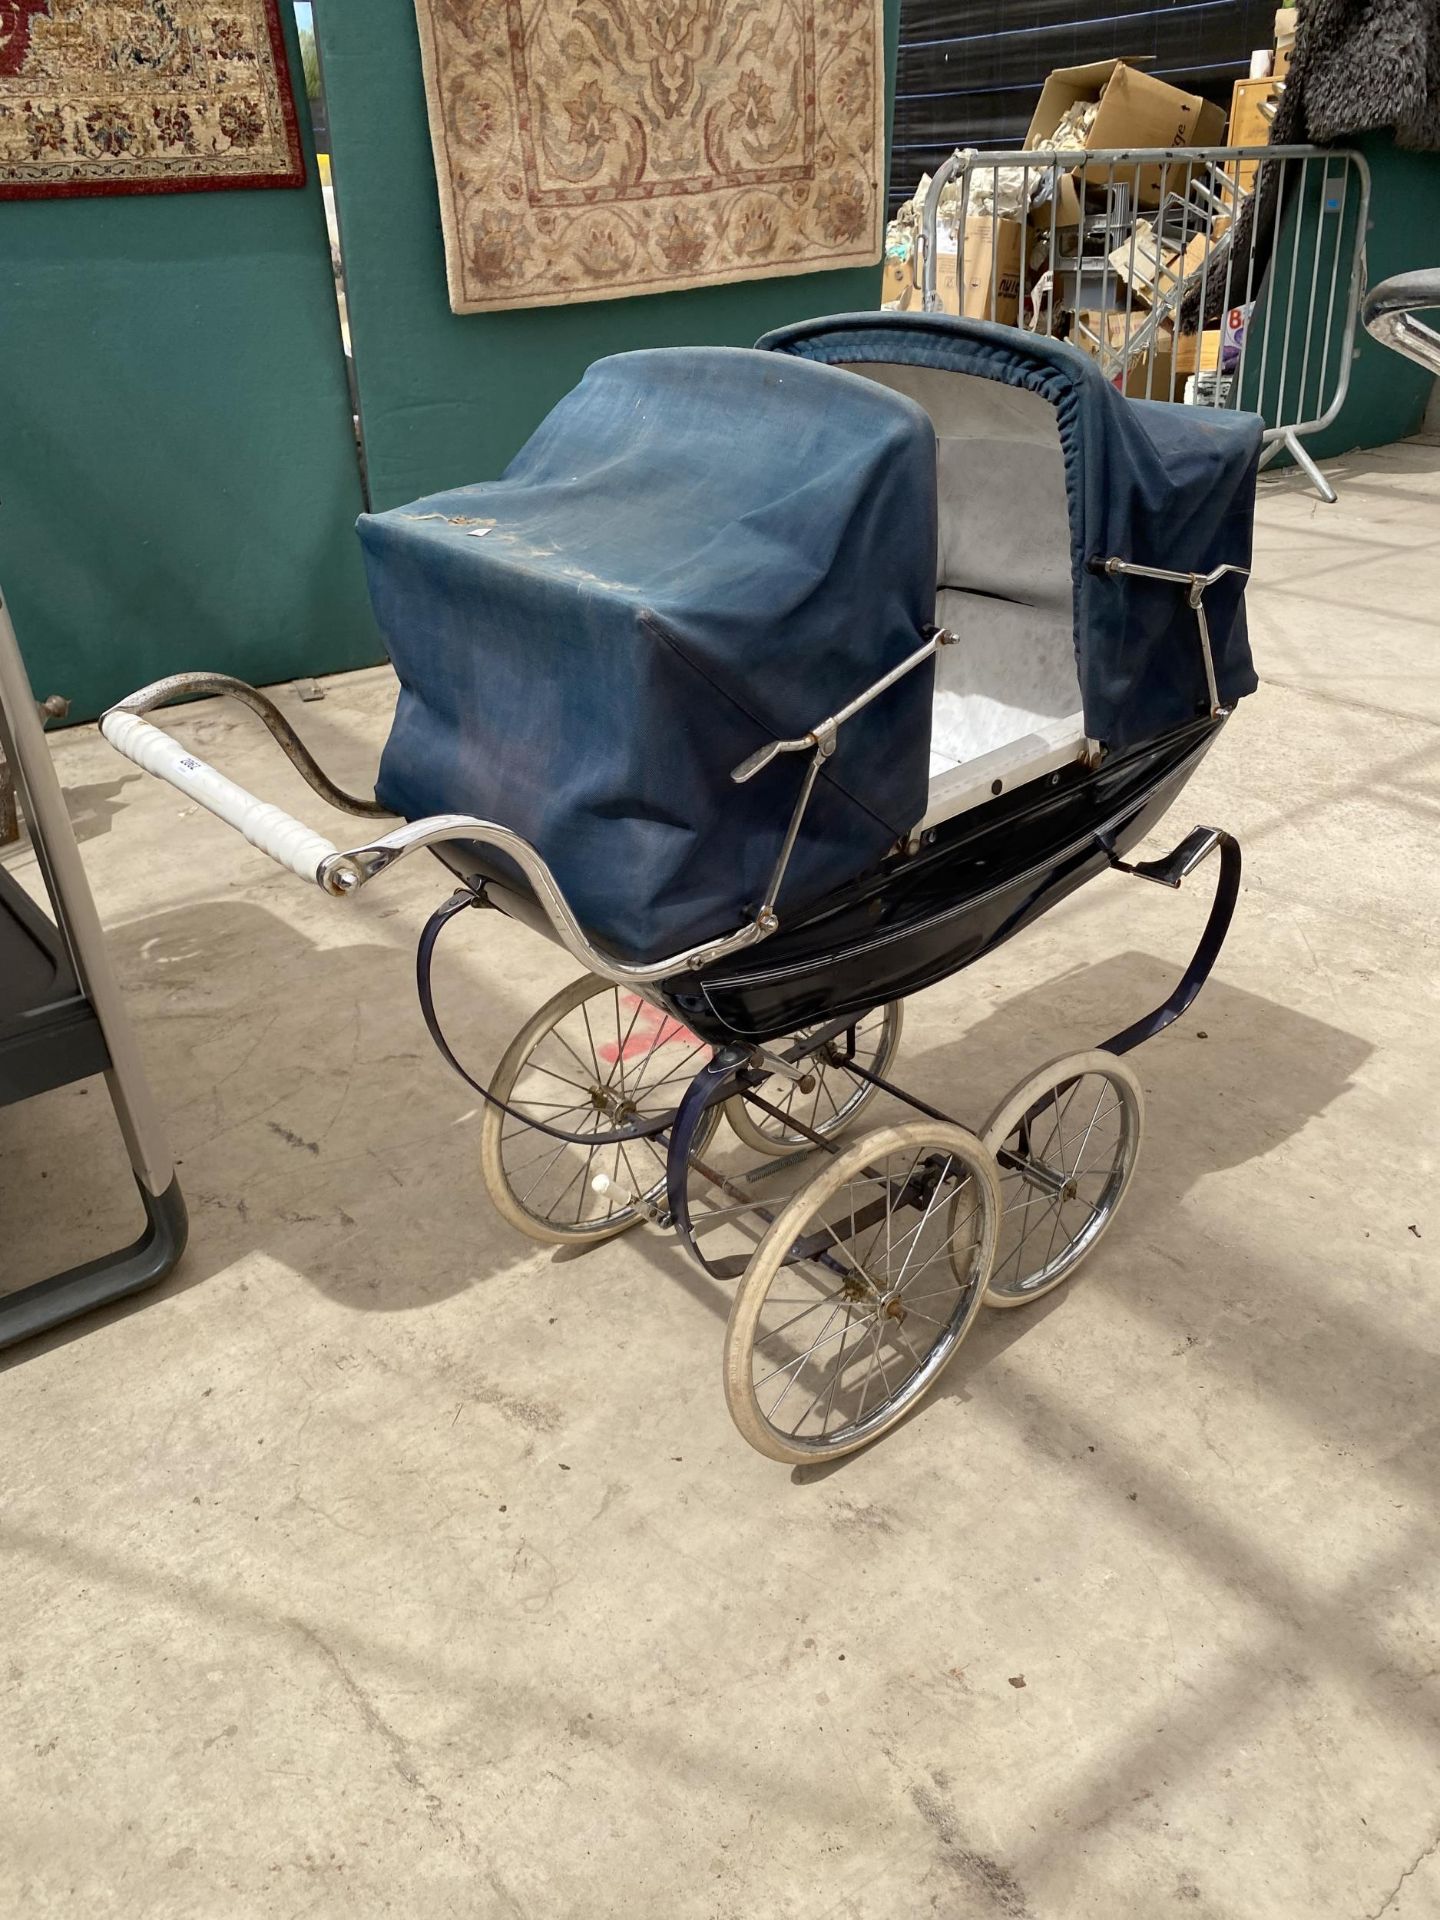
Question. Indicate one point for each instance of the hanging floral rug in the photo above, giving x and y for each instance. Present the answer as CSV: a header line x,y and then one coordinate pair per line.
x,y
144,96
590,149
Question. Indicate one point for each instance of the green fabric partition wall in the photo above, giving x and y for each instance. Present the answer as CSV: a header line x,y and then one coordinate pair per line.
x,y
177,462
1300,368
1388,395
447,398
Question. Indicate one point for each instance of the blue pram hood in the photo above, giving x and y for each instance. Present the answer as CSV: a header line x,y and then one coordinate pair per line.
x,y
701,550
1146,481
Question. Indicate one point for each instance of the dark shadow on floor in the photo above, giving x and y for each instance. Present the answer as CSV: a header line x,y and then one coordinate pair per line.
x,y
310,1118
1214,1285
92,810
1258,1076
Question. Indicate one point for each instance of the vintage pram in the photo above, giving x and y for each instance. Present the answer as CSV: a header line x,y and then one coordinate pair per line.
x,y
776,685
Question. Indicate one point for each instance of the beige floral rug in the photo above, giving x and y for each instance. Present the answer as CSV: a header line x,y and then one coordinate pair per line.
x,y
144,96
586,149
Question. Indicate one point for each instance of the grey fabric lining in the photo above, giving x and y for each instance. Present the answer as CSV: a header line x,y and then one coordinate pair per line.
x,y
1004,584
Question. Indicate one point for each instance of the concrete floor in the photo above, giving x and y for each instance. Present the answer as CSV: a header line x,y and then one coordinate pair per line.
x,y
383,1563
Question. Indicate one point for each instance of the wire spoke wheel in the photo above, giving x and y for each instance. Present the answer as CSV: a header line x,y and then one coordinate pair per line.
x,y
835,1097
595,1059
1066,1141
861,1291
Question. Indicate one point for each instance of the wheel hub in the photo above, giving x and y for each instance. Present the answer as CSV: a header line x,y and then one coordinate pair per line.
x,y
612,1103
1037,1174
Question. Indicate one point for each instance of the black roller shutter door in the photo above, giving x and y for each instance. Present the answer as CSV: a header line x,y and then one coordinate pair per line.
x,y
970,70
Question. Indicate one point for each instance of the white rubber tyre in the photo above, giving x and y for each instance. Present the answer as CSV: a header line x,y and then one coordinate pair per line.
x,y
1084,1153
923,1168
573,1075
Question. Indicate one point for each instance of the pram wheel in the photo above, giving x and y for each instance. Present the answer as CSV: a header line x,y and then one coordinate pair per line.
x,y
594,1059
861,1291
837,1097
1067,1141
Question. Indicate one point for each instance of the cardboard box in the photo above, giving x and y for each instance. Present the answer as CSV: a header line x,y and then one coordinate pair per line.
x,y
1135,110
1198,352
1087,329
992,255
1148,375
1153,270
1068,205
898,289
1150,269
1249,126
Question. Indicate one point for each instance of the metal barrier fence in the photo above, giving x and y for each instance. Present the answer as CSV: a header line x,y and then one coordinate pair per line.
x,y
1215,276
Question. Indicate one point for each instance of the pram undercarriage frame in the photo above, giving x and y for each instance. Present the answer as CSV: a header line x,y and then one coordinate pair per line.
x,y
827,977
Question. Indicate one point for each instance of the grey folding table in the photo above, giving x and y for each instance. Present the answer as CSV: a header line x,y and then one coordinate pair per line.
x,y
61,1019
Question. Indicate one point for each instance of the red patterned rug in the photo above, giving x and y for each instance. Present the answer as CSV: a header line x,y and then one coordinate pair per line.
x,y
144,96
603,148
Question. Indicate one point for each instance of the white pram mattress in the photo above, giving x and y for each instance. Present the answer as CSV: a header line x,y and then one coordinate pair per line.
x,y
1007,693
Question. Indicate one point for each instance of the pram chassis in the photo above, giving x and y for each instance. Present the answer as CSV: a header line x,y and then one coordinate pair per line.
x,y
1080,822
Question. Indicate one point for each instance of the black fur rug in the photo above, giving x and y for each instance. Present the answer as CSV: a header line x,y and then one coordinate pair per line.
x,y
1358,66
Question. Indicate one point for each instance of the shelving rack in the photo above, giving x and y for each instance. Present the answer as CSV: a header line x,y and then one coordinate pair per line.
x,y
61,1020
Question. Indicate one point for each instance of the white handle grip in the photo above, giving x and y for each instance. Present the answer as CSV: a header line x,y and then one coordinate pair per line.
x,y
273,831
